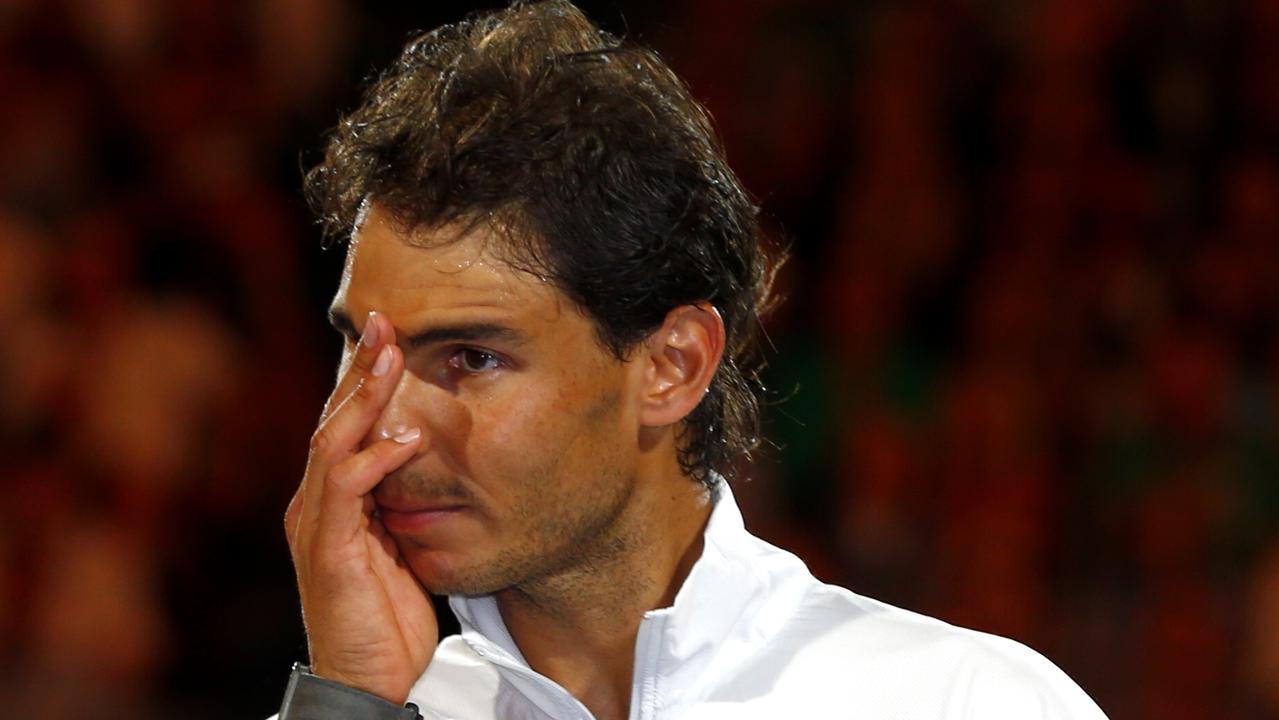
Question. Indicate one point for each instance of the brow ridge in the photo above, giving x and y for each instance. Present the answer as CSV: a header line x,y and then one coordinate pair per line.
x,y
444,333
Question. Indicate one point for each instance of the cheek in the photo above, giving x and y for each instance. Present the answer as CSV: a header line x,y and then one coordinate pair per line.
x,y
517,422
541,424
533,426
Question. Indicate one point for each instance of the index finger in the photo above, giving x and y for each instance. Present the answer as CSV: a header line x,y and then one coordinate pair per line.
x,y
376,332
360,396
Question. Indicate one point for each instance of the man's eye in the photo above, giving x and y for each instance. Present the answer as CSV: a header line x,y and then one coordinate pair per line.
x,y
476,361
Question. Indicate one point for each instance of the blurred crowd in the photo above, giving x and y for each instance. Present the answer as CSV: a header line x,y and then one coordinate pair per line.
x,y
160,369
1026,378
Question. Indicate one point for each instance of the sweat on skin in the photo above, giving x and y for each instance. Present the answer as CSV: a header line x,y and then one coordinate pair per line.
x,y
543,469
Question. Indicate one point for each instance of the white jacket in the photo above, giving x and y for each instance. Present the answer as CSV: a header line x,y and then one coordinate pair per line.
x,y
753,634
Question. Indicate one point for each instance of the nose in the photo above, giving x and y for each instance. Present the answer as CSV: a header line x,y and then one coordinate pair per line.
x,y
398,415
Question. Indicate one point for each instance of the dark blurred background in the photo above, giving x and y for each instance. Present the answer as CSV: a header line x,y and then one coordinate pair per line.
x,y
1030,351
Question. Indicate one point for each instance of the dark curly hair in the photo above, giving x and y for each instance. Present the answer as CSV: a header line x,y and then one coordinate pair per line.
x,y
600,171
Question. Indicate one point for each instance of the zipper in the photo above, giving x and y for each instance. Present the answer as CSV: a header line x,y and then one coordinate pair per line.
x,y
644,685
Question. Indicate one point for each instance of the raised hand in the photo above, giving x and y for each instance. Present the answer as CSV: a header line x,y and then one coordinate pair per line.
x,y
369,622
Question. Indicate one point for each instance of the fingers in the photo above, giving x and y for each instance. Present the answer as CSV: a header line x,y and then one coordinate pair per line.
x,y
337,469
343,505
349,482
361,394
376,333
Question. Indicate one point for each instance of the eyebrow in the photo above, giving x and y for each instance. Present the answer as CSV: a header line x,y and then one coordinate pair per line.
x,y
452,332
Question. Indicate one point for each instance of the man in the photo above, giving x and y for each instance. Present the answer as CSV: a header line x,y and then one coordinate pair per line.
x,y
551,288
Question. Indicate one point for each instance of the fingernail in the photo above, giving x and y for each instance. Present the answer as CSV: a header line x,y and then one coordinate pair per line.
x,y
383,362
407,436
369,338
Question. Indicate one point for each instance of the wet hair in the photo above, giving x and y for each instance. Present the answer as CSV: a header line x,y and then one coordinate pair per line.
x,y
602,173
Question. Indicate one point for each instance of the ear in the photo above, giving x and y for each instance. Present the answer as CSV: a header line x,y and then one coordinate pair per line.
x,y
683,355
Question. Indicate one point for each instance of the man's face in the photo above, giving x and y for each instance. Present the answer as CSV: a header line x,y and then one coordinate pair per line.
x,y
530,426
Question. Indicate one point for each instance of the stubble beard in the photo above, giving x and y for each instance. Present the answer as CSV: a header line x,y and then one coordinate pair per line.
x,y
558,540
562,536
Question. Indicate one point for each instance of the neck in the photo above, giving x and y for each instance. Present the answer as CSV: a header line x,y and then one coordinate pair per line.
x,y
578,627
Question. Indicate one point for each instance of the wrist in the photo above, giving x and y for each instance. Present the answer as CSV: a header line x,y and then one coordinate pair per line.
x,y
312,697
392,688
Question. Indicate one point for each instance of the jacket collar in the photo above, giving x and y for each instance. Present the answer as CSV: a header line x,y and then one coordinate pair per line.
x,y
715,612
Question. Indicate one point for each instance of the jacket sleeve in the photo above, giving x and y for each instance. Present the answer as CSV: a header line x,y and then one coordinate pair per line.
x,y
309,697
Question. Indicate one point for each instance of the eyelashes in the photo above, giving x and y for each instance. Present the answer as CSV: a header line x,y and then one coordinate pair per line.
x,y
457,361
475,361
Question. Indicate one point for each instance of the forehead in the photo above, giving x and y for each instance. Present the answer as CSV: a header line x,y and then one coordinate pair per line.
x,y
406,273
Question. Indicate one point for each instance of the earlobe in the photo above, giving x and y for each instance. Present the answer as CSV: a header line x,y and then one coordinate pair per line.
x,y
683,356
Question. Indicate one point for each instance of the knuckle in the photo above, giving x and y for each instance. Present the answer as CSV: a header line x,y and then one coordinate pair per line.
x,y
352,464
337,475
291,515
321,441
363,391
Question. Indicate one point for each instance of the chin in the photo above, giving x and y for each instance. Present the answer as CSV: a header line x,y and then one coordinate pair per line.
x,y
444,575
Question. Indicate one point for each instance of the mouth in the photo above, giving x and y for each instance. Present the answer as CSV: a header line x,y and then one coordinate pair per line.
x,y
408,518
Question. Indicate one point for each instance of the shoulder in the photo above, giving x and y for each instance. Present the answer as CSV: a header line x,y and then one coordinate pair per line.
x,y
884,657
